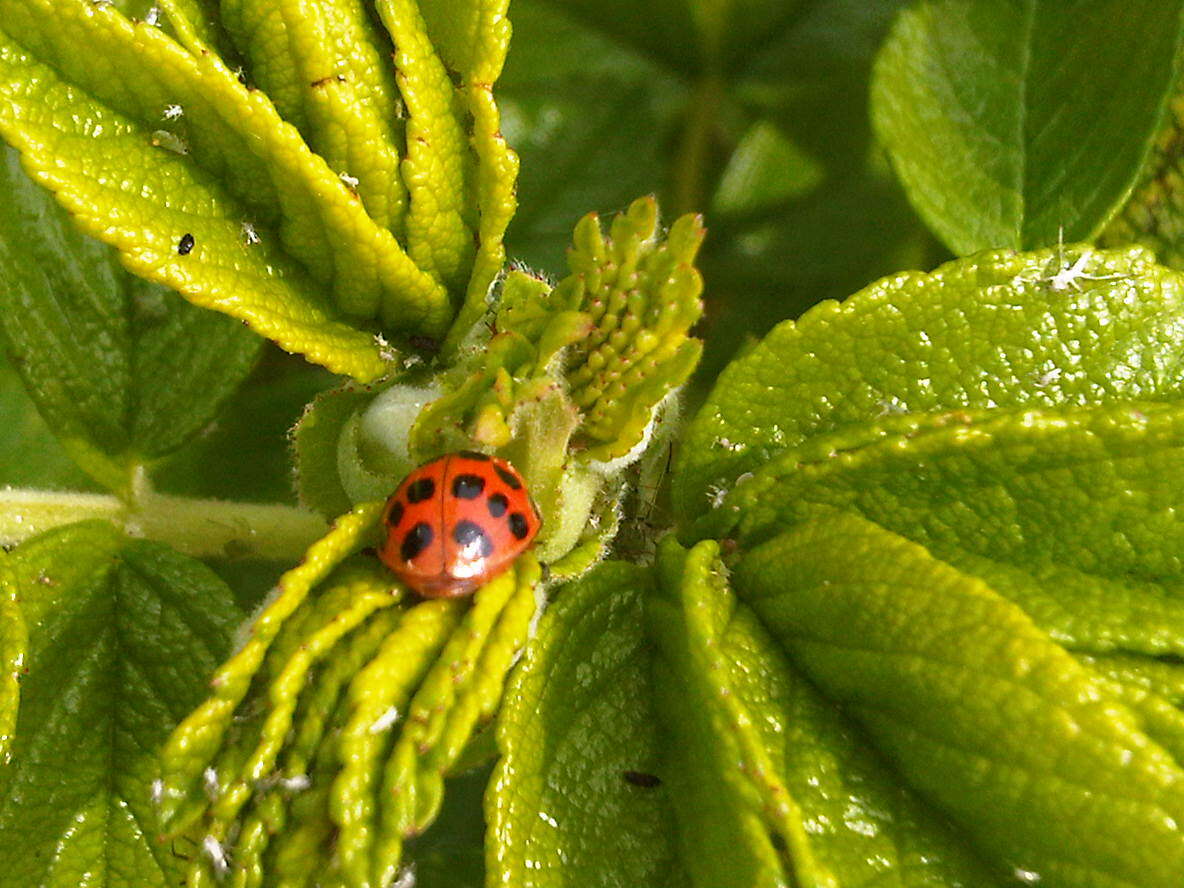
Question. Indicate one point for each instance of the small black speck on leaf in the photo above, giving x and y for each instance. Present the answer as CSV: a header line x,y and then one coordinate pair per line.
x,y
640,778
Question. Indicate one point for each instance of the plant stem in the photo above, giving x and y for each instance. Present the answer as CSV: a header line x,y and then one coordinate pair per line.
x,y
690,166
203,528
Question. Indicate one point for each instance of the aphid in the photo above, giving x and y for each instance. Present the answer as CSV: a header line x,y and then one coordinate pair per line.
x,y
185,246
169,142
250,235
640,778
350,181
153,17
456,522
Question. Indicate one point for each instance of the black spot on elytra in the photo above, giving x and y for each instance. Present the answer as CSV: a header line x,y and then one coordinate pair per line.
x,y
418,538
640,778
467,486
395,515
473,454
497,505
420,490
509,477
471,536
518,525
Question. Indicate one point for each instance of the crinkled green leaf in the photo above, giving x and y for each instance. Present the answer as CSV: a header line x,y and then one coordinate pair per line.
x,y
437,168
234,134
739,824
326,68
225,161
327,736
1038,763
122,370
1064,511
622,316
1043,330
576,722
1009,122
122,634
753,750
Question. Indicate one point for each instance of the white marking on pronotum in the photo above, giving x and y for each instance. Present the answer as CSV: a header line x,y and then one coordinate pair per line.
x,y
172,112
250,235
213,849
384,721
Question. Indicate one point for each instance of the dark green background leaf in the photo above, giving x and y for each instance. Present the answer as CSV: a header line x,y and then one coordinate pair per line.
x,y
122,636
33,457
1010,121
601,104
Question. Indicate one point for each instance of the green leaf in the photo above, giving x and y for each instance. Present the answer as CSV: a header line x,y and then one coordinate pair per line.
x,y
755,750
738,823
600,112
325,67
1064,512
245,455
576,720
33,456
765,170
122,634
1032,757
322,444
122,370
227,161
1068,328
1010,122
14,643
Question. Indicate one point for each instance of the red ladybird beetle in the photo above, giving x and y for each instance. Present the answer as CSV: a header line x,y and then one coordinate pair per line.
x,y
456,522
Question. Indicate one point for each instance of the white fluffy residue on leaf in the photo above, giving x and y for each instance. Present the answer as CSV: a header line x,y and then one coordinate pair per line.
x,y
216,854
384,721
405,877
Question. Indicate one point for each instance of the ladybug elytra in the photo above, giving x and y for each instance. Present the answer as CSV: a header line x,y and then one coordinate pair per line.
x,y
456,522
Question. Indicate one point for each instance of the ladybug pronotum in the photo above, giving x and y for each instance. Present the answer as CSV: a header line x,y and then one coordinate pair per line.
x,y
456,522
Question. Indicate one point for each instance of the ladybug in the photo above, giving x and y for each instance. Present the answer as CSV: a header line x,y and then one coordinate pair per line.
x,y
456,522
